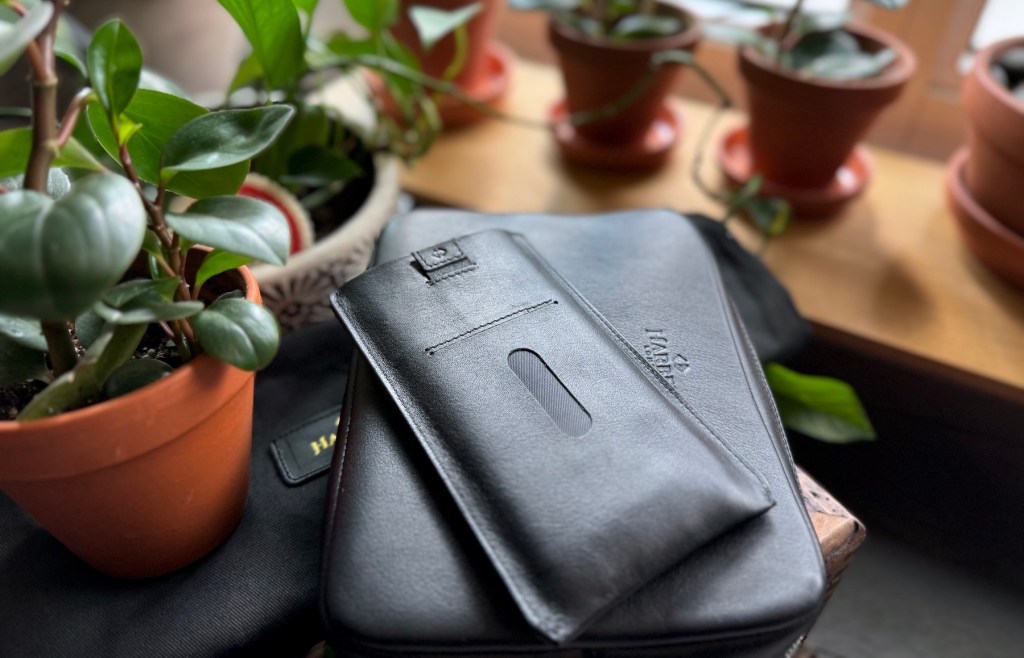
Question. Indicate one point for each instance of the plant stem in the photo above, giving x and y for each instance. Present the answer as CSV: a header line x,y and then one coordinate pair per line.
x,y
786,28
63,356
42,63
67,124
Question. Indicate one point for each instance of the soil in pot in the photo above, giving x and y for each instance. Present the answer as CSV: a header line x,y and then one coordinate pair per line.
x,y
994,171
599,72
803,130
146,483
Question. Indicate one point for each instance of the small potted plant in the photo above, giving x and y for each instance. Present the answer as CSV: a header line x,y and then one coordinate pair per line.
x,y
126,355
468,56
334,171
983,179
814,86
604,49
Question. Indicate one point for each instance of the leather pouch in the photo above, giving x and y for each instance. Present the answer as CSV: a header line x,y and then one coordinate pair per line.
x,y
403,573
581,472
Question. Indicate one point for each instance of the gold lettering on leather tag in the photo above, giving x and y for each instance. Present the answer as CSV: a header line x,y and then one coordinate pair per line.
x,y
305,450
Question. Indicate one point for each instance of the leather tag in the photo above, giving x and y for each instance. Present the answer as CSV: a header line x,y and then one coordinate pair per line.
x,y
304,452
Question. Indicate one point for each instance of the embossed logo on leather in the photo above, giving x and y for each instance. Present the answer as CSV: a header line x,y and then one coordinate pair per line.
x,y
659,355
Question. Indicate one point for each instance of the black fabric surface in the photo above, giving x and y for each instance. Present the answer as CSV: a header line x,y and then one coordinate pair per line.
x,y
255,595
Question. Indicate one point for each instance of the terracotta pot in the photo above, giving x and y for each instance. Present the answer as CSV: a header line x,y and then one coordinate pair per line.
x,y
480,32
993,243
803,130
995,169
148,482
598,72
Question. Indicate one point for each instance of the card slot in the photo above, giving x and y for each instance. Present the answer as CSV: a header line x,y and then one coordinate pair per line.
x,y
480,328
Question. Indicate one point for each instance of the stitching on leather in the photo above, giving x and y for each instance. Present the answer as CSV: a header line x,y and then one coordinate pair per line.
x,y
461,490
487,325
470,268
279,456
638,358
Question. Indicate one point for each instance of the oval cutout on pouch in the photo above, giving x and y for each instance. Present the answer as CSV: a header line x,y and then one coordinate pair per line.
x,y
566,412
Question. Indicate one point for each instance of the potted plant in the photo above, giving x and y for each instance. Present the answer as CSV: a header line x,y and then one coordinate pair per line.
x,y
814,86
468,56
983,178
604,48
126,356
334,171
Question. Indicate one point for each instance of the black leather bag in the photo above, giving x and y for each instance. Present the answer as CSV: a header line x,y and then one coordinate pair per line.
x,y
448,530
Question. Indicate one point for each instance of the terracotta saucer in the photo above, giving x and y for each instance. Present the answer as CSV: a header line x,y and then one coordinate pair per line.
x,y
648,153
991,241
489,89
734,159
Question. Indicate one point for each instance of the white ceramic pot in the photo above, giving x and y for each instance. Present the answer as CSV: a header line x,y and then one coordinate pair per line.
x,y
298,292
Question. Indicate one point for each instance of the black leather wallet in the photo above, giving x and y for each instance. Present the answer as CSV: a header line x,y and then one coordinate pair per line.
x,y
407,569
582,473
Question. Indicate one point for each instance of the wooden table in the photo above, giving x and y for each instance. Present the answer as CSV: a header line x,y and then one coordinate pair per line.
x,y
888,275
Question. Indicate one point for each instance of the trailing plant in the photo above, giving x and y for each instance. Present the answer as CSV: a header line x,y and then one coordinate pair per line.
x,y
616,20
815,45
66,247
320,151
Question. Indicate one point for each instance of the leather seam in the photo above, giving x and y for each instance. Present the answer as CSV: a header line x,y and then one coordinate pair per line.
x,y
460,488
450,275
488,325
645,365
279,458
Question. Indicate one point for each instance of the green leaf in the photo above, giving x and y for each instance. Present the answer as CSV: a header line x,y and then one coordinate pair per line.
x,y
133,375
311,126
238,332
374,15
240,225
308,7
89,327
151,244
16,144
544,5
114,61
772,216
275,33
114,347
125,292
249,71
161,115
217,262
73,60
19,363
889,4
316,166
851,66
23,331
345,46
15,37
820,44
221,139
820,407
432,24
58,257
640,26
155,82
145,308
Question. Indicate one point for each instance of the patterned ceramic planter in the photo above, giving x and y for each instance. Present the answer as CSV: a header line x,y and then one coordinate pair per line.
x,y
297,292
